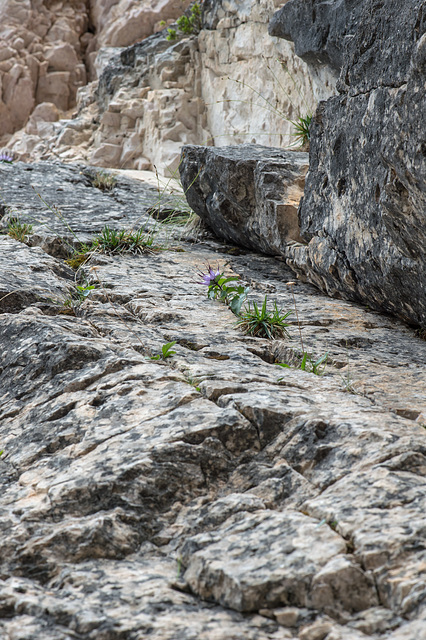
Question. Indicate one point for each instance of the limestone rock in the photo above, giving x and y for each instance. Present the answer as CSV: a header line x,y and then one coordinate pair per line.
x,y
148,485
44,56
266,560
247,194
155,96
364,207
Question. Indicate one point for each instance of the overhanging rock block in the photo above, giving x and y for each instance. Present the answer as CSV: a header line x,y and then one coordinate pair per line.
x,y
248,194
364,208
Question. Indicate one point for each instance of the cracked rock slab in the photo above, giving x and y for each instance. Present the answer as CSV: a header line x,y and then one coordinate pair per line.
x,y
267,560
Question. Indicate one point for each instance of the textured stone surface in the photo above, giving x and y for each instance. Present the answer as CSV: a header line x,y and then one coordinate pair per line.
x,y
231,84
144,498
364,207
319,30
48,52
247,194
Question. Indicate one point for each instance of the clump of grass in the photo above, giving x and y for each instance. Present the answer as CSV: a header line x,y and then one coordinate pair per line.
x,y
262,323
19,230
104,181
113,241
302,134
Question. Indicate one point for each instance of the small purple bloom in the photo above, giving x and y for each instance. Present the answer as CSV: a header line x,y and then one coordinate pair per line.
x,y
209,277
6,157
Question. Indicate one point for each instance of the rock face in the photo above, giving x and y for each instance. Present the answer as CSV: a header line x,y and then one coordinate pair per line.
x,y
365,200
230,84
42,53
48,52
247,194
211,494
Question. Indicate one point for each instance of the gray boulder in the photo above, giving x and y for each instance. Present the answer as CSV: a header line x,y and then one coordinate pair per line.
x,y
248,194
364,207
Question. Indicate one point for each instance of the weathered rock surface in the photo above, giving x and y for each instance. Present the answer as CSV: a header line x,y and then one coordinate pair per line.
x,y
319,30
42,58
364,207
230,84
48,52
213,494
247,194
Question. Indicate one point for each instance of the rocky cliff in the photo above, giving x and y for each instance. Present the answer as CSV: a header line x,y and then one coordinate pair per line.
x,y
361,231
229,84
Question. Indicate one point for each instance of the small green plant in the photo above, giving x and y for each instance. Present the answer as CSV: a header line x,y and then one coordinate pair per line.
x,y
194,381
262,323
166,351
225,289
18,230
187,25
307,362
348,383
113,241
302,130
77,295
1,452
104,181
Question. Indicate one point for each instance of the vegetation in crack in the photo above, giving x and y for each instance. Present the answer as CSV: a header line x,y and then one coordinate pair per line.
x,y
187,25
253,320
166,351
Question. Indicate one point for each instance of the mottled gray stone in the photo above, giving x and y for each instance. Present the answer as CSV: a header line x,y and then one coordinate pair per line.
x,y
266,560
363,212
113,462
319,30
247,194
29,275
62,187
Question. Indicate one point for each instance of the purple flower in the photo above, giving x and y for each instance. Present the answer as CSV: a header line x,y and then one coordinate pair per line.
x,y
6,157
209,277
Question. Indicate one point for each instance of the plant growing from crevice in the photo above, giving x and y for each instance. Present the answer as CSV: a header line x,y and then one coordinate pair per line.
x,y
166,351
18,230
252,320
224,289
301,134
76,296
194,381
261,323
104,181
187,25
307,361
113,241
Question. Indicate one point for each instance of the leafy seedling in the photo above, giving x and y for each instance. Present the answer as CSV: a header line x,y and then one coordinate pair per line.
x,y
166,351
